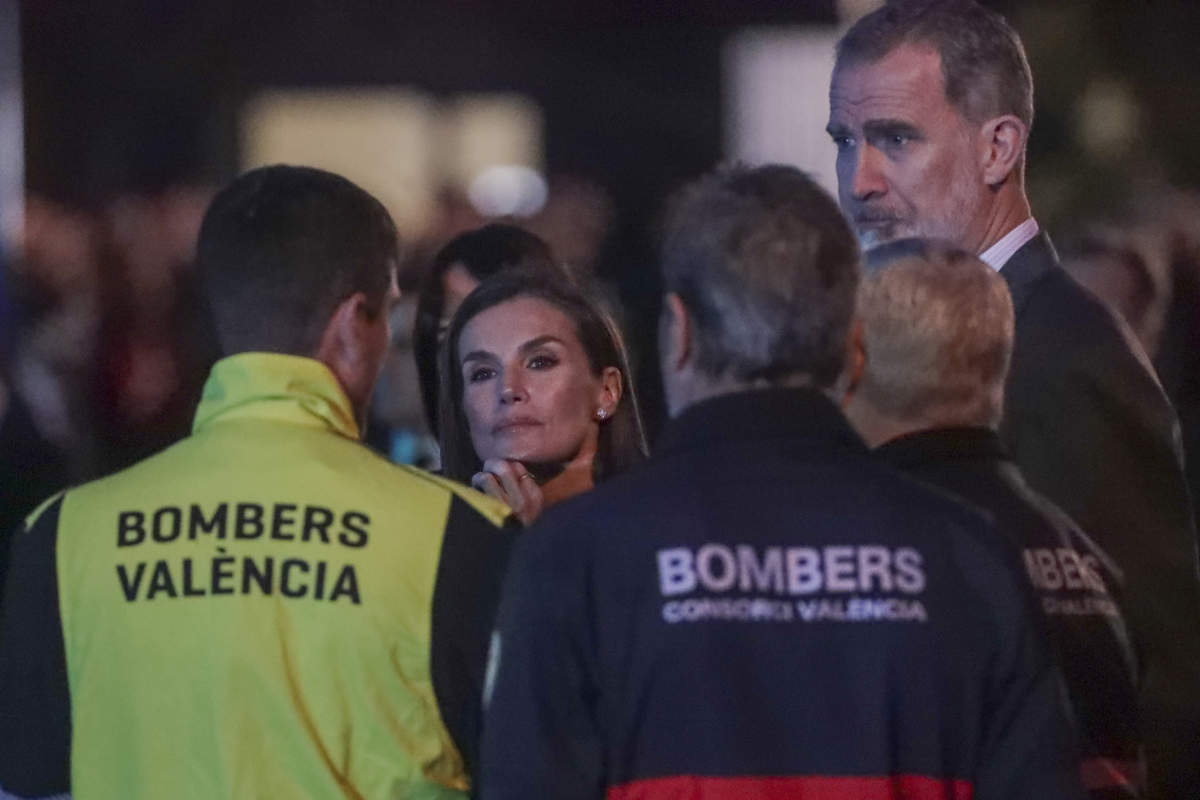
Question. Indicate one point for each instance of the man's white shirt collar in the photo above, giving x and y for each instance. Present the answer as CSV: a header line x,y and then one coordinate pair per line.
x,y
998,254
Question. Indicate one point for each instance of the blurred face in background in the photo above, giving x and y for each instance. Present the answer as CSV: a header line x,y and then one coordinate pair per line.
x,y
908,164
529,393
457,283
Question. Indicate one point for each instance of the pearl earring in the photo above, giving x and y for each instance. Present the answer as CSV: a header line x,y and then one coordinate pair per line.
x,y
601,413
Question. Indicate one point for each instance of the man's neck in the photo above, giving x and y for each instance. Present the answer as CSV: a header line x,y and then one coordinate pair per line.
x,y
877,427
692,390
999,254
1009,209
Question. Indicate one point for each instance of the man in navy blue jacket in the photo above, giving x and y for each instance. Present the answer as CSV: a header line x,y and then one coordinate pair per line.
x,y
762,610
938,333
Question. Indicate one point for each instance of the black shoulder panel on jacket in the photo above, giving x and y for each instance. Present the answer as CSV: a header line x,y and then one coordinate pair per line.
x,y
470,573
35,701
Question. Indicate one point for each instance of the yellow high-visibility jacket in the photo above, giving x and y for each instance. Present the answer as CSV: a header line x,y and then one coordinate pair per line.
x,y
266,609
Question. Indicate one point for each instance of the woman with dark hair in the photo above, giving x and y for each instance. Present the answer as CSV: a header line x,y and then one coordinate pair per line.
x,y
536,401
456,270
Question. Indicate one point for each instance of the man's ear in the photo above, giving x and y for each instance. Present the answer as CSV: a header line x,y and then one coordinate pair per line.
x,y
677,346
344,347
856,361
1002,147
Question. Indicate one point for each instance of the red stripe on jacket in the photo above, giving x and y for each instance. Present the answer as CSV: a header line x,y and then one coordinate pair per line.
x,y
1107,773
807,787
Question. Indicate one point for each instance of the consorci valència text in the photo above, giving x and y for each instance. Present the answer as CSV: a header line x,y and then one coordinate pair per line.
x,y
837,583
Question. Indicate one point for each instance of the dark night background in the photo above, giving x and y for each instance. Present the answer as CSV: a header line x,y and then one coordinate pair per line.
x,y
135,96
125,97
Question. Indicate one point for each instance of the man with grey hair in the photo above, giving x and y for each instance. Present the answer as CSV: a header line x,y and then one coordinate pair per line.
x,y
931,104
937,331
762,609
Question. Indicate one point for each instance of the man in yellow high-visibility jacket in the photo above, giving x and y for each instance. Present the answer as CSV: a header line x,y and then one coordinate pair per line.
x,y
267,608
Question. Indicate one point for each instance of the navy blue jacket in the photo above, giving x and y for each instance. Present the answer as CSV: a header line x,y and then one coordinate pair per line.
x,y
762,610
1091,429
1077,585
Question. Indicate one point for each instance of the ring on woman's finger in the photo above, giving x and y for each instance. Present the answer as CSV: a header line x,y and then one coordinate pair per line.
x,y
526,475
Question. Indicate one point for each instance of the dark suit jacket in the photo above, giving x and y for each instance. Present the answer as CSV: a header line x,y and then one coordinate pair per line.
x,y
1077,587
1090,427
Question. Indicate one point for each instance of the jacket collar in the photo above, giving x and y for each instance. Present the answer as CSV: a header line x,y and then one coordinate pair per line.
x,y
1033,260
943,444
760,414
275,387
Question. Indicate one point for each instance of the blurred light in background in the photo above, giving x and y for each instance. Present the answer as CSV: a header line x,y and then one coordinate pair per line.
x,y
493,153
382,139
404,147
508,191
776,96
1108,119
776,93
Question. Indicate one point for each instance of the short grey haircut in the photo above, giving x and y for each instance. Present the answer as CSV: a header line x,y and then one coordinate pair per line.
x,y
938,332
984,68
768,269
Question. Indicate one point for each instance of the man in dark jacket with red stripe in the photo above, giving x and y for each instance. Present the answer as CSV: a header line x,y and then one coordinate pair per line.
x,y
938,334
763,610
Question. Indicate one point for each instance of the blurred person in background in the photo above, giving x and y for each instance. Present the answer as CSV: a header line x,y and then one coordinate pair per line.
x,y
937,335
112,341
266,608
155,339
55,281
456,269
397,428
46,356
1144,263
1177,357
575,222
761,609
931,104
31,467
1128,268
537,403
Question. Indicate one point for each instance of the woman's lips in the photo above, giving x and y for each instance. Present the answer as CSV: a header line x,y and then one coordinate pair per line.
x,y
515,424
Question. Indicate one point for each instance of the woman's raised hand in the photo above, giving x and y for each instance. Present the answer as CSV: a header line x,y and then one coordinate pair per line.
x,y
512,484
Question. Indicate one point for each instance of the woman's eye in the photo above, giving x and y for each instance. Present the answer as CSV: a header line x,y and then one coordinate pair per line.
x,y
542,362
480,374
